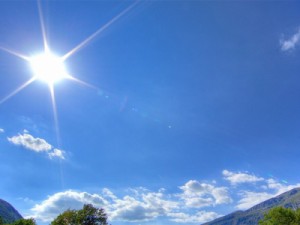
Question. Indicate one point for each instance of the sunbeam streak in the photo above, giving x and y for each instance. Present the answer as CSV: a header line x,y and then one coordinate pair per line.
x,y
101,29
15,53
43,26
55,117
17,90
83,83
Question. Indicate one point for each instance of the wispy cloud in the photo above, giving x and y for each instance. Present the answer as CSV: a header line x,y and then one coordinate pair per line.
x,y
1,130
269,189
29,142
290,43
56,153
249,199
36,144
240,177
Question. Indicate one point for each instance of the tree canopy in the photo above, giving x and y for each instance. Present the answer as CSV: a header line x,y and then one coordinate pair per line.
x,y
280,216
19,222
88,215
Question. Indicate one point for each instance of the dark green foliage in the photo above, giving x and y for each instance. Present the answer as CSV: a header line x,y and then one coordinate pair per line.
x,y
280,215
1,221
19,222
24,222
88,215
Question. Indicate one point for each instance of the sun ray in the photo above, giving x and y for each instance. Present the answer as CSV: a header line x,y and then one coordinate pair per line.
x,y
97,32
15,53
55,117
17,90
41,17
82,82
57,130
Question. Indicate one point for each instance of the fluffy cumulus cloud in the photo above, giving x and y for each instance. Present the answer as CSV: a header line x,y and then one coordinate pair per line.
x,y
290,43
197,195
139,206
36,144
61,201
29,142
239,177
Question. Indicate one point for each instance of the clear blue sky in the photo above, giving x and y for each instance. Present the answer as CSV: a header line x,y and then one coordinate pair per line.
x,y
192,110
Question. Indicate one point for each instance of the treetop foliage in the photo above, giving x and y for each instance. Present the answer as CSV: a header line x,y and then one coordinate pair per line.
x,y
88,215
19,222
281,216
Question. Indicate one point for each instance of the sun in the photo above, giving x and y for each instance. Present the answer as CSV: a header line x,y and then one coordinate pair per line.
x,y
48,67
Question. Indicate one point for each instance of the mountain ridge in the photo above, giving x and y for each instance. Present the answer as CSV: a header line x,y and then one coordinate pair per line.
x,y
8,213
251,216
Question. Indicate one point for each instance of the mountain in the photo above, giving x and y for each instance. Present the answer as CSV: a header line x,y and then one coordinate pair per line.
x,y
290,199
8,213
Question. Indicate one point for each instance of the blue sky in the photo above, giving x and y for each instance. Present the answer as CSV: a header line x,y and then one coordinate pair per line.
x,y
189,110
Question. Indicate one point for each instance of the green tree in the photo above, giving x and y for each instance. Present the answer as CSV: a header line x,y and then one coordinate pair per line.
x,y
88,215
281,216
1,221
24,222
19,222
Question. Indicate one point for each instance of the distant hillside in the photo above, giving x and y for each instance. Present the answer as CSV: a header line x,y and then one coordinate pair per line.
x,y
290,199
8,213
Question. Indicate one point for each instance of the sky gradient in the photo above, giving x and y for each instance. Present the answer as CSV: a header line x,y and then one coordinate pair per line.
x,y
185,110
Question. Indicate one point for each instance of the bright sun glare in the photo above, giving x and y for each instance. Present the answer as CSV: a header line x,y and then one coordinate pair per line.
x,y
48,68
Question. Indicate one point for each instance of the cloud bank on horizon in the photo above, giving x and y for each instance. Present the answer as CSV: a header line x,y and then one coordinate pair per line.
x,y
194,202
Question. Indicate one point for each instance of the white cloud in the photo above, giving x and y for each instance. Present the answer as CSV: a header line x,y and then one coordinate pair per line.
x,y
199,217
250,199
279,187
239,177
56,153
290,44
197,195
1,130
61,201
142,207
272,188
140,204
36,144
28,141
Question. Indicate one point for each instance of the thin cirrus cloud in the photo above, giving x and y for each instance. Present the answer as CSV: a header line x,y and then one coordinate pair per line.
x,y
36,144
1,130
290,43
